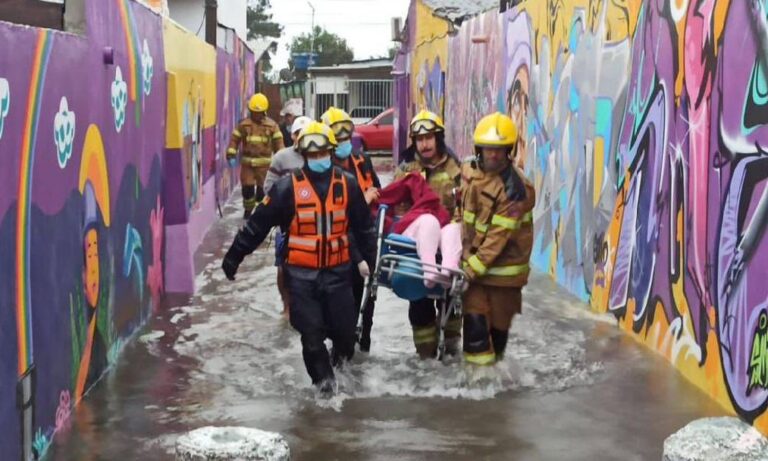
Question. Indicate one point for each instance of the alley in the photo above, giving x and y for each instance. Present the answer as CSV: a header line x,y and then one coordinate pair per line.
x,y
573,386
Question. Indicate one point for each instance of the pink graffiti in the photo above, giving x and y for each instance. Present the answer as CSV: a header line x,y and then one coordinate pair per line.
x,y
699,52
63,411
155,272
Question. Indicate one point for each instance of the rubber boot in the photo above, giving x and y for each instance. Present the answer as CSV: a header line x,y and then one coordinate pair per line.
x,y
499,340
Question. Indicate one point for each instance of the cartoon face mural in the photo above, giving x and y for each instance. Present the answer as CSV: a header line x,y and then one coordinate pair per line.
x,y
91,269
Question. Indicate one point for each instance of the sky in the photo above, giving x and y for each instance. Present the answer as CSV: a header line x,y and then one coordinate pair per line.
x,y
365,24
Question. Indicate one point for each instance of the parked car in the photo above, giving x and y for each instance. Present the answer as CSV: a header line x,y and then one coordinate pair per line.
x,y
364,114
377,134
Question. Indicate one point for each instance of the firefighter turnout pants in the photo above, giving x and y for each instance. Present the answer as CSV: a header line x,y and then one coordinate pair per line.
x,y
422,314
488,313
253,171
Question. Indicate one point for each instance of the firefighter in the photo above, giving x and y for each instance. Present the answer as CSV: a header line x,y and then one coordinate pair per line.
x,y
358,164
442,172
320,205
258,137
497,238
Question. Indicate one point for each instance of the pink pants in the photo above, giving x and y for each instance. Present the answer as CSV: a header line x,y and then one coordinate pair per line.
x,y
428,235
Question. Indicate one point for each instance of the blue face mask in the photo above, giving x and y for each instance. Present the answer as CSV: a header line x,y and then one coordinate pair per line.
x,y
344,150
319,165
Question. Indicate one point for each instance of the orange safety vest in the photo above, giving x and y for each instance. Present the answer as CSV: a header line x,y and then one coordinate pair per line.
x,y
365,179
318,236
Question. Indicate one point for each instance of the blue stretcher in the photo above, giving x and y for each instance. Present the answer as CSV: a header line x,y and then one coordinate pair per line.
x,y
399,268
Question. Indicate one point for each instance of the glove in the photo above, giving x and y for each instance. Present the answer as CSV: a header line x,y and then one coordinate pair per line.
x,y
230,265
364,270
469,272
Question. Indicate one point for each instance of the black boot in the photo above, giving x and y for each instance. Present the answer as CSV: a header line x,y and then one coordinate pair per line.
x,y
499,340
365,341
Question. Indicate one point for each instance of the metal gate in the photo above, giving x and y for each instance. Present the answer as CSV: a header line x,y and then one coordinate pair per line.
x,y
362,99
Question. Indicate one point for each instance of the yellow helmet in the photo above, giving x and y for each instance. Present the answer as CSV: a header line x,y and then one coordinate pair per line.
x,y
340,123
258,103
316,137
495,130
426,122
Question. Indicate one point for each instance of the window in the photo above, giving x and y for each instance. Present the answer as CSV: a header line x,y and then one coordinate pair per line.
x,y
386,119
365,112
35,13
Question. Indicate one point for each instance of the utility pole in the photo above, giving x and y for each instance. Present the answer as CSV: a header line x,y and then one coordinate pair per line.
x,y
311,37
310,62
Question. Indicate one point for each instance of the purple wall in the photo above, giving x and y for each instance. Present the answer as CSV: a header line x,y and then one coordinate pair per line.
x,y
197,177
82,204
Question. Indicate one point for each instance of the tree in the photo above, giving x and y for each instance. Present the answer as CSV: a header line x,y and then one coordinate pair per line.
x,y
330,48
260,21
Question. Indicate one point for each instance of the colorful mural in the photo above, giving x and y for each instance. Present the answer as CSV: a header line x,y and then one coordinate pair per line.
x,y
428,61
87,191
234,85
644,129
191,117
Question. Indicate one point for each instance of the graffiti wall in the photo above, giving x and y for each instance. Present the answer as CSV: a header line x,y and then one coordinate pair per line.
x,y
475,81
197,179
234,85
428,60
643,126
92,132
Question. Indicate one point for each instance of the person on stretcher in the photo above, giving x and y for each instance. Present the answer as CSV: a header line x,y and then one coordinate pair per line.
x,y
427,222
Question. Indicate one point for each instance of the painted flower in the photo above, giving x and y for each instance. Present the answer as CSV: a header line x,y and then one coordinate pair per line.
x,y
5,102
147,68
64,132
119,99
64,410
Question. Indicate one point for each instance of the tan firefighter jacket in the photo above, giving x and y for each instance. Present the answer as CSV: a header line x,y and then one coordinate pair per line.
x,y
497,232
257,142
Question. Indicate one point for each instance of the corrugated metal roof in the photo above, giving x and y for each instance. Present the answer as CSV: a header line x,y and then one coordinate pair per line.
x,y
363,64
460,9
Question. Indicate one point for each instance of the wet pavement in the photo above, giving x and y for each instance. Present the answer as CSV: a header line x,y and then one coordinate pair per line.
x,y
572,386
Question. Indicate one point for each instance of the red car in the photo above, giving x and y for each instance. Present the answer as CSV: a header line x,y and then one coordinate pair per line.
x,y
377,134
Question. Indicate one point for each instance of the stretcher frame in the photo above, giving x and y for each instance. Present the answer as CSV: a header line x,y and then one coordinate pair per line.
x,y
448,299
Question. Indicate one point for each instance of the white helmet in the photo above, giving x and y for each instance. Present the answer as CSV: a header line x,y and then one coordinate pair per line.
x,y
300,123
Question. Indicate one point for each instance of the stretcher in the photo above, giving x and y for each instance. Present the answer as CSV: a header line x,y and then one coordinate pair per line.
x,y
399,268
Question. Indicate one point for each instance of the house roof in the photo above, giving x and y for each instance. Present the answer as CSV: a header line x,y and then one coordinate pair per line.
x,y
459,10
362,64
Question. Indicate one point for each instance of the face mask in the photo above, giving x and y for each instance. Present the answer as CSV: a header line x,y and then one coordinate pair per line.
x,y
344,150
319,165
